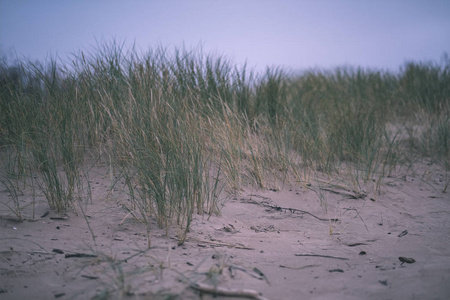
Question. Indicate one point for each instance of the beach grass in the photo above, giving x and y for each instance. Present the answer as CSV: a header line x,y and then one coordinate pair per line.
x,y
181,127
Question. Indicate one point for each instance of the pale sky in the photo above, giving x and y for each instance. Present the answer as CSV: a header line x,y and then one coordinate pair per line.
x,y
296,34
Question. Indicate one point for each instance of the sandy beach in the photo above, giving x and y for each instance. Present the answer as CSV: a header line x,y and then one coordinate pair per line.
x,y
316,241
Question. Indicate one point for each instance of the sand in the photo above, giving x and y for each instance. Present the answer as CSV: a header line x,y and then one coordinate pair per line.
x,y
287,243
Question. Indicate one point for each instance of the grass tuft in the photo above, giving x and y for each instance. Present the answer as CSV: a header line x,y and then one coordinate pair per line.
x,y
181,127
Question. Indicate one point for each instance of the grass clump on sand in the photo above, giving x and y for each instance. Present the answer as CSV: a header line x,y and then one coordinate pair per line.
x,y
179,126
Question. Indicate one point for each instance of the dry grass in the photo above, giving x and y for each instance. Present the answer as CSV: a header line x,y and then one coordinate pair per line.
x,y
179,126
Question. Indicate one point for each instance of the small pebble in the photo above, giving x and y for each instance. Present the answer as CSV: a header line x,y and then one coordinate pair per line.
x,y
383,282
408,260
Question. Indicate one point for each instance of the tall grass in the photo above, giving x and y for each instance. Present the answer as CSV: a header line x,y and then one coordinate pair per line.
x,y
180,125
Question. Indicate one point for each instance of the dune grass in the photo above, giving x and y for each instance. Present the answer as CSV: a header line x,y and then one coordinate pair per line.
x,y
180,126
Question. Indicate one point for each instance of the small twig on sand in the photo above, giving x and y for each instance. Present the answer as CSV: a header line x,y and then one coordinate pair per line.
x,y
294,210
291,210
221,244
205,288
354,195
79,255
299,268
325,256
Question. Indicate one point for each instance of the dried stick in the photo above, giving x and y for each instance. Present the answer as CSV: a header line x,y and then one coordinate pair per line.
x,y
291,210
205,288
325,256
